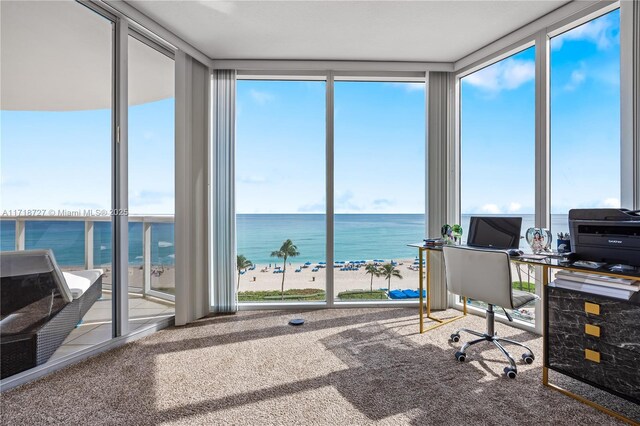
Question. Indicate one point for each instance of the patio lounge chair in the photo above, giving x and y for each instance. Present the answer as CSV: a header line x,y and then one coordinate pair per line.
x,y
39,306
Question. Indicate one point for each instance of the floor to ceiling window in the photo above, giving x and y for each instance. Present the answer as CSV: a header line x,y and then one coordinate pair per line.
x,y
280,191
379,188
585,118
497,136
151,181
56,143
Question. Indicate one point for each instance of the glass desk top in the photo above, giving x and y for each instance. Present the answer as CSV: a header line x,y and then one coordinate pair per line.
x,y
556,262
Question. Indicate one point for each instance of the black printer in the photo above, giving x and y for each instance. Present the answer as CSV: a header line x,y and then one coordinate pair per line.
x,y
606,235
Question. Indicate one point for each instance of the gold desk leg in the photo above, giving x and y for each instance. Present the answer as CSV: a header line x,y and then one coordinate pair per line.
x,y
592,404
440,322
428,263
545,282
421,281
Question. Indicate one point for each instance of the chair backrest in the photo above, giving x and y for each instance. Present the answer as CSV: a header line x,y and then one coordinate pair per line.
x,y
479,274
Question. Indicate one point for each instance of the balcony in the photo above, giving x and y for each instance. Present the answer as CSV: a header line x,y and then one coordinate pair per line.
x,y
84,242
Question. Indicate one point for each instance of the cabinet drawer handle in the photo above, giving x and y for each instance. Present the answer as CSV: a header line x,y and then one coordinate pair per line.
x,y
592,355
592,308
592,330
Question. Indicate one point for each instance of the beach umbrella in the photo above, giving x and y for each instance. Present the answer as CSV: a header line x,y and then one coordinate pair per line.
x,y
307,263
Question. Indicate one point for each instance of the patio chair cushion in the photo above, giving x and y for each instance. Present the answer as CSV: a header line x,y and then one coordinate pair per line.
x,y
80,281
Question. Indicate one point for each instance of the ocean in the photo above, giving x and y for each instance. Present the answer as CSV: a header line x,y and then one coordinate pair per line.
x,y
357,237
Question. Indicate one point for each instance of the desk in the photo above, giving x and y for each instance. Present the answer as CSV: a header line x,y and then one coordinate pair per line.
x,y
587,337
608,361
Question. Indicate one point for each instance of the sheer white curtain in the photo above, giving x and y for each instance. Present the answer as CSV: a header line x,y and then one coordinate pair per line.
x,y
223,241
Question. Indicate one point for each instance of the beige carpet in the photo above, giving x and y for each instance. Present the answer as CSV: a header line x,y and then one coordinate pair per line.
x,y
343,367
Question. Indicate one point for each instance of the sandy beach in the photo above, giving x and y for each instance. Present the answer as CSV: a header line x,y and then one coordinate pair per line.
x,y
256,280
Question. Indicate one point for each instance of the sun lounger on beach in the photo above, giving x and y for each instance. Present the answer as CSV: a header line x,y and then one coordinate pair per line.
x,y
412,294
397,294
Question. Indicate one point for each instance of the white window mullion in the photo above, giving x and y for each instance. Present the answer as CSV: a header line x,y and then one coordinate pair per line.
x,y
120,194
330,190
542,156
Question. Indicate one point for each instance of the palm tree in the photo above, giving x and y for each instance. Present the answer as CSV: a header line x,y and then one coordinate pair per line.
x,y
373,270
288,249
387,271
242,263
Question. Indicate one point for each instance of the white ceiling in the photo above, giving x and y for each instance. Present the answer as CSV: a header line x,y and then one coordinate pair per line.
x,y
424,31
57,56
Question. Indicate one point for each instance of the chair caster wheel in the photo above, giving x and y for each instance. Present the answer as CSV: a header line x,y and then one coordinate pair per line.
x,y
461,356
455,337
510,372
528,358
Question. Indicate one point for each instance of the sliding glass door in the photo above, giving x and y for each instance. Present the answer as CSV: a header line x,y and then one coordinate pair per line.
x,y
151,176
56,164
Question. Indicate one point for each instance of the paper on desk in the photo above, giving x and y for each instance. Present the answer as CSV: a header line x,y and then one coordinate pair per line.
x,y
593,289
587,278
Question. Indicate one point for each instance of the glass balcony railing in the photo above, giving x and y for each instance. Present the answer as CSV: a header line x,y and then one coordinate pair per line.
x,y
84,242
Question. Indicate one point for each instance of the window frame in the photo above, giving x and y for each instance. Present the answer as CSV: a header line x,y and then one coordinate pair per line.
x,y
541,40
329,77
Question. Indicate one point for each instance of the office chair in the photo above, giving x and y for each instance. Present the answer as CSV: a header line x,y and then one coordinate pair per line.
x,y
485,275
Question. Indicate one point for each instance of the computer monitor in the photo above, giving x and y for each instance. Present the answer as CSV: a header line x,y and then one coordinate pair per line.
x,y
494,232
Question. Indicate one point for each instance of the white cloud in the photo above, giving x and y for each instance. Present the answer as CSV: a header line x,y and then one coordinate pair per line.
x,y
411,87
13,183
597,31
514,207
613,203
508,74
578,76
259,97
319,207
345,201
490,209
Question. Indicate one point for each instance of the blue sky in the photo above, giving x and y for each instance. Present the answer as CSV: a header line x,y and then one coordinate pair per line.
x,y
378,144
498,113
61,160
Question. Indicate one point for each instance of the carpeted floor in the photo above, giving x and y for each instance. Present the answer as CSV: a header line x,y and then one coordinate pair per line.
x,y
343,367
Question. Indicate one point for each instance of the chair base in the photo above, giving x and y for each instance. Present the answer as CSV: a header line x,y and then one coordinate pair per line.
x,y
490,336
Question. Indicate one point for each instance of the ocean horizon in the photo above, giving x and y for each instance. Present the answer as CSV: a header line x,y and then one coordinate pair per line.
x,y
357,237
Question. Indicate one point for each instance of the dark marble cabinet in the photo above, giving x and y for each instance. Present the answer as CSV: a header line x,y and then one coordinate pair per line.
x,y
595,339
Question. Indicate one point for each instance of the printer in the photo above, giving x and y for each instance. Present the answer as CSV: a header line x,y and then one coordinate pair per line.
x,y
606,235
